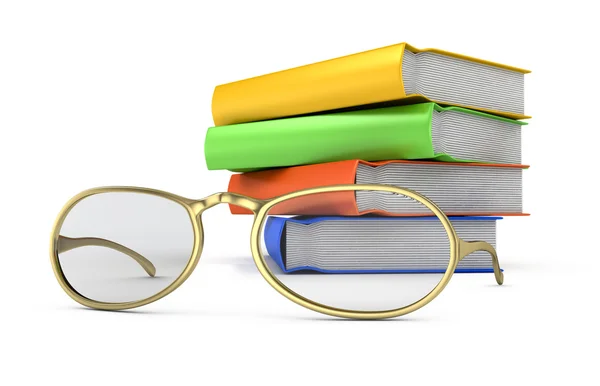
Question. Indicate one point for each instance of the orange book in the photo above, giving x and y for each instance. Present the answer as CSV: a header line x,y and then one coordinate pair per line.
x,y
457,188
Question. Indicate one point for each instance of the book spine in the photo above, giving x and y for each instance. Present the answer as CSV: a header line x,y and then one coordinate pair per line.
x,y
274,228
277,182
402,132
367,77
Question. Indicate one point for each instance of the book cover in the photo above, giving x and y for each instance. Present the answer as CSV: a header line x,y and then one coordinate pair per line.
x,y
367,78
404,132
489,189
402,245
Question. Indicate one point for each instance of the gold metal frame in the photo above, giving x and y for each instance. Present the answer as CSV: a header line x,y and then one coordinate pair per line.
x,y
458,247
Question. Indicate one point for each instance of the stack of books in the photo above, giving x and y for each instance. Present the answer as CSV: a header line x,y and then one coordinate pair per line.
x,y
442,124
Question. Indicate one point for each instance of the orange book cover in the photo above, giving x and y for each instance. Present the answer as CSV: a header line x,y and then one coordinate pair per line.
x,y
271,183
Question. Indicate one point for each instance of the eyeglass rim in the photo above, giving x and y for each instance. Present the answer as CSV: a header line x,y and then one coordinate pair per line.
x,y
88,302
195,208
260,259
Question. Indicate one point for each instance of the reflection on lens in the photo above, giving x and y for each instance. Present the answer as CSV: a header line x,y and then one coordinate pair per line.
x,y
121,247
363,263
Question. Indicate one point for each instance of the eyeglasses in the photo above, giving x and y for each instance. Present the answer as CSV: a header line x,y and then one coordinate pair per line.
x,y
117,248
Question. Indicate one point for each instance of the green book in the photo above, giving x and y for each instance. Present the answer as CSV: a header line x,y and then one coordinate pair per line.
x,y
421,131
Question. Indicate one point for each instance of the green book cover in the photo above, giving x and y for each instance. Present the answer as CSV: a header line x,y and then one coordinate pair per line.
x,y
402,132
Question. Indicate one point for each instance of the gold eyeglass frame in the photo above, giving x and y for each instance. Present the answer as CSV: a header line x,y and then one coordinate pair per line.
x,y
458,248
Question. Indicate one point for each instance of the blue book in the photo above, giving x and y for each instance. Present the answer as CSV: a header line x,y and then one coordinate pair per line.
x,y
374,244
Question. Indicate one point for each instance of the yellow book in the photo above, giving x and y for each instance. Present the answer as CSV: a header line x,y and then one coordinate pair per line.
x,y
395,75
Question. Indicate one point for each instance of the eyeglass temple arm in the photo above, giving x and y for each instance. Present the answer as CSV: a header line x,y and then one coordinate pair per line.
x,y
468,247
66,244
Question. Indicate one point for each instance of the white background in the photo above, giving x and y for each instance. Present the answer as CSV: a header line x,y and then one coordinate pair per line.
x,y
119,93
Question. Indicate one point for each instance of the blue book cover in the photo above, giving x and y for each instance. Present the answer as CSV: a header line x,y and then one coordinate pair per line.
x,y
275,237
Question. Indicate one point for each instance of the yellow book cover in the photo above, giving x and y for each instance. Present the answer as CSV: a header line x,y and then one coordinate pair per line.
x,y
395,75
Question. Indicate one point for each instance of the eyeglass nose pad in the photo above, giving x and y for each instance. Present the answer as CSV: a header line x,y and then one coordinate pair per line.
x,y
465,248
